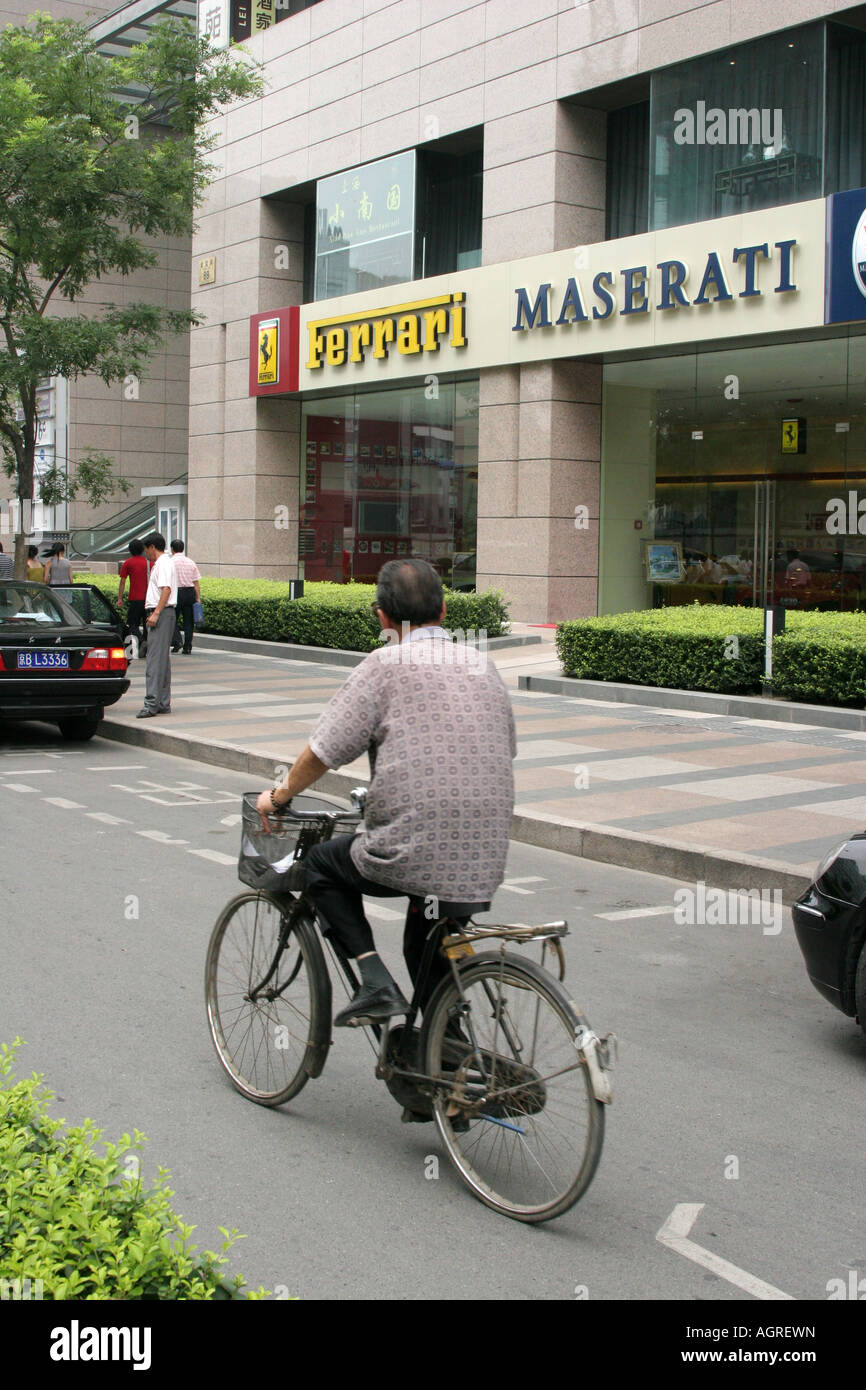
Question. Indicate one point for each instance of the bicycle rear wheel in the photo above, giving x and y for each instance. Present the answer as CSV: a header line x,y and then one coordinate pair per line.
x,y
272,1044
517,1114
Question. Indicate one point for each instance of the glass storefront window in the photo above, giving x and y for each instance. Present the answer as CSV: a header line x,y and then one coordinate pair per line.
x,y
742,507
739,129
365,227
387,474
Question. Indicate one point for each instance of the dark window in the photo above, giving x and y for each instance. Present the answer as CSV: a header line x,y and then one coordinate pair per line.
x,y
628,170
845,149
449,212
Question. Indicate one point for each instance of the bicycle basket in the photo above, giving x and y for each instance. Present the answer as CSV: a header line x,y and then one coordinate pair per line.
x,y
273,861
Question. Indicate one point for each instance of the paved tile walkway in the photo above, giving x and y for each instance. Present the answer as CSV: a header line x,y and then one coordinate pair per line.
x,y
782,792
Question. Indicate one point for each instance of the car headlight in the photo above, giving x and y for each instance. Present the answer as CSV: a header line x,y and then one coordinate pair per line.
x,y
828,860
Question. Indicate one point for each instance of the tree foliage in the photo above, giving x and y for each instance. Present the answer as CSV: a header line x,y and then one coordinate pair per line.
x,y
98,156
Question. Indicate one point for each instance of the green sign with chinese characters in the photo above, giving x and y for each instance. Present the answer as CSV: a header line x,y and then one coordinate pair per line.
x,y
365,227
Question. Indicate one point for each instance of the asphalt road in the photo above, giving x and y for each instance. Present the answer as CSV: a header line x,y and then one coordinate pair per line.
x,y
116,863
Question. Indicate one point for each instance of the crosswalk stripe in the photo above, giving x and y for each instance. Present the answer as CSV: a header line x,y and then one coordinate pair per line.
x,y
636,912
214,855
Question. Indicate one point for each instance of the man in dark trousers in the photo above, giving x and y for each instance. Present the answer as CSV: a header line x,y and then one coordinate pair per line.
x,y
134,571
188,593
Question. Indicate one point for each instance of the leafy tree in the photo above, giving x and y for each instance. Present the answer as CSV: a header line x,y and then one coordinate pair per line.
x,y
96,154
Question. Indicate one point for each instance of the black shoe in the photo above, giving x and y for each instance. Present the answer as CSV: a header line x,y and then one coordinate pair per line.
x,y
147,713
187,651
175,651
372,1006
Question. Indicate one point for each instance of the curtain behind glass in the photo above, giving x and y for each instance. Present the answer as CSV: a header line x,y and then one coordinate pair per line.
x,y
846,110
696,182
628,170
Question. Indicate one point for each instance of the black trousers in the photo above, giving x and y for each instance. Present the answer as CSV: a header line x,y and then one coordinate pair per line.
x,y
337,888
135,617
185,601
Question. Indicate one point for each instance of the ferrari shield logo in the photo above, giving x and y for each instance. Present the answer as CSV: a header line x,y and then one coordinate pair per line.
x,y
269,352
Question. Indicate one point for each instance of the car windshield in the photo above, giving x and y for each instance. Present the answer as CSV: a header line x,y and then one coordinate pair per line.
x,y
32,605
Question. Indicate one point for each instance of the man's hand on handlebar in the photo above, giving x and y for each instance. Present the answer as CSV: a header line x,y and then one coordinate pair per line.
x,y
270,803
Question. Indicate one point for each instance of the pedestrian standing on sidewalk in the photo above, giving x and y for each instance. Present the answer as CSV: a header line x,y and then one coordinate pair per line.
x,y
160,606
188,593
135,571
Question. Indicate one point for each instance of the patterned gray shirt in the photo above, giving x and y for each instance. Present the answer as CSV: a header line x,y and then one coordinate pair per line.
x,y
436,720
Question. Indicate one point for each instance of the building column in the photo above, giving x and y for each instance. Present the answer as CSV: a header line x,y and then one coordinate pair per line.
x,y
539,459
244,450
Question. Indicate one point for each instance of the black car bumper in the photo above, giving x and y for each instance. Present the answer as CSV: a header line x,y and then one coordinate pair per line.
x,y
830,935
59,697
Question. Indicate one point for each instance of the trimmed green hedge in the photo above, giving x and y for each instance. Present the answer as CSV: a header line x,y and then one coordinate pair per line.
x,y
821,657
80,1223
329,615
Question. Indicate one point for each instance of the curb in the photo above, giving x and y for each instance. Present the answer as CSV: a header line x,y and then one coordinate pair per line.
x,y
691,863
328,656
740,706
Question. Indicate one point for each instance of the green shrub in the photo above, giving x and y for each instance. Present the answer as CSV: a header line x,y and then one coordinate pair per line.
x,y
698,647
820,657
329,615
74,1221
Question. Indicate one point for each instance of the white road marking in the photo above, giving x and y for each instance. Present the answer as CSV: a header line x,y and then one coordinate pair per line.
x,y
386,914
636,912
215,855
19,787
63,803
34,771
674,1234
161,837
119,767
105,819
231,820
510,884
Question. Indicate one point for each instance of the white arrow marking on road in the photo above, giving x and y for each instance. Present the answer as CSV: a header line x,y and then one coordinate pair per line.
x,y
510,885
674,1234
161,837
635,912
215,855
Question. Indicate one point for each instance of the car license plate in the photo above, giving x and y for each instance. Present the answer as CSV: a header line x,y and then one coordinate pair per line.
x,y
28,661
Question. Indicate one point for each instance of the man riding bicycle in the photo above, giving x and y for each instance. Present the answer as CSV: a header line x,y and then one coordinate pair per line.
x,y
436,720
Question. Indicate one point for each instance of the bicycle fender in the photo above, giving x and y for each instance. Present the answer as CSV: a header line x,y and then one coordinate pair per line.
x,y
596,1060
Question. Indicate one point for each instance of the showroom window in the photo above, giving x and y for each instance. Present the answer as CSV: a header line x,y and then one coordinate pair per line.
x,y
386,474
778,120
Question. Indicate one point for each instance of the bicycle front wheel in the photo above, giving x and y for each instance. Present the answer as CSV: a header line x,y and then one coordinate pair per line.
x,y
269,1010
516,1111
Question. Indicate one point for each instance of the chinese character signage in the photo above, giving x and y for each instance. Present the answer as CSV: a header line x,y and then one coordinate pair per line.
x,y
213,22
263,14
365,227
206,270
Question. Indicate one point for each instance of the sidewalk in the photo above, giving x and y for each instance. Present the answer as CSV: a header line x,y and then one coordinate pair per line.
x,y
739,803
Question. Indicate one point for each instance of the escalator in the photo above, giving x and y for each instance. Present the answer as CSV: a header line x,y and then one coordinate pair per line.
x,y
110,539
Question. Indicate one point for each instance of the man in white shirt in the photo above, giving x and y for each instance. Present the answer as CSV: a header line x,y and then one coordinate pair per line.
x,y
160,605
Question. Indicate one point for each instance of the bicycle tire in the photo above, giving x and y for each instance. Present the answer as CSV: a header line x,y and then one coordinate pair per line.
x,y
265,1065
520,1108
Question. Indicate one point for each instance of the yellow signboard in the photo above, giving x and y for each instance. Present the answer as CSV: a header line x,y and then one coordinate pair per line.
x,y
269,352
415,327
793,436
207,270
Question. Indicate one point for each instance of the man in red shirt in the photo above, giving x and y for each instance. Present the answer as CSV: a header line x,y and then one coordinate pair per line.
x,y
136,570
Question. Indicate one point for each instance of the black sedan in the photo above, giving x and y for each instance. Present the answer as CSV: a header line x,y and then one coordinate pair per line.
x,y
56,664
830,922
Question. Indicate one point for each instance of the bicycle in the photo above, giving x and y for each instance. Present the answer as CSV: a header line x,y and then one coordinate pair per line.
x,y
504,1061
